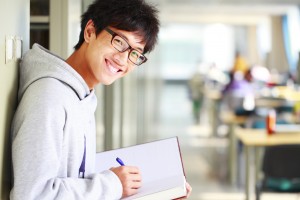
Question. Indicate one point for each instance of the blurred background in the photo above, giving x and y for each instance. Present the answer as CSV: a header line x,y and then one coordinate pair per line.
x,y
216,66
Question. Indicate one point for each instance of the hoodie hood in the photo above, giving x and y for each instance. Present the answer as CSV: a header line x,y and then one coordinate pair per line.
x,y
40,63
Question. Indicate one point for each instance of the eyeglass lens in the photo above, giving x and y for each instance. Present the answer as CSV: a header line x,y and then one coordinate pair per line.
x,y
121,45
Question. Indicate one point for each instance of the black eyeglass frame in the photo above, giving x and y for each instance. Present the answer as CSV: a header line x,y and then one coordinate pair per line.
x,y
113,34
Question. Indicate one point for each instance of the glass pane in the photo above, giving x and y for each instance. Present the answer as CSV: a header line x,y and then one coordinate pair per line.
x,y
39,33
39,7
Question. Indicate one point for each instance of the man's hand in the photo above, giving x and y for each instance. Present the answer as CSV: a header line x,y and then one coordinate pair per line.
x,y
130,178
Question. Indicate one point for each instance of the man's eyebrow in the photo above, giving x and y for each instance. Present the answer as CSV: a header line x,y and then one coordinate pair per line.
x,y
123,36
140,49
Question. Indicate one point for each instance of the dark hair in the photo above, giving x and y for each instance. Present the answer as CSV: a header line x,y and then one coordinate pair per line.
x,y
128,15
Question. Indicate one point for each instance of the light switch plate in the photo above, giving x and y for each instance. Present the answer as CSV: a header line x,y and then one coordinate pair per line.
x,y
17,48
9,49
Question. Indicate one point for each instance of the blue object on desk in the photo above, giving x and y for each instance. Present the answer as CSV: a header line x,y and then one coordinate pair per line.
x,y
261,124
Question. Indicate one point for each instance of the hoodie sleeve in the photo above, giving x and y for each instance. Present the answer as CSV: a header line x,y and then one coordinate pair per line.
x,y
37,134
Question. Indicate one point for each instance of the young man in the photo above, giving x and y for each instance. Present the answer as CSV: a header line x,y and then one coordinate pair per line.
x,y
53,130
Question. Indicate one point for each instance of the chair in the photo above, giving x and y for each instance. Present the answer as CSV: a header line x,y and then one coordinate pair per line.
x,y
281,168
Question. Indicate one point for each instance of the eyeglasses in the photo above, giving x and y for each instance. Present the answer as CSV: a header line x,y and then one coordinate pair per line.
x,y
122,45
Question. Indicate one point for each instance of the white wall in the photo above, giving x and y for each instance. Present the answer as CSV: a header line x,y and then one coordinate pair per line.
x,y
277,59
64,26
14,21
86,3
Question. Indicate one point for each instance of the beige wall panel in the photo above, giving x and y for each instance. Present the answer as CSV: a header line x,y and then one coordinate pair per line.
x,y
14,21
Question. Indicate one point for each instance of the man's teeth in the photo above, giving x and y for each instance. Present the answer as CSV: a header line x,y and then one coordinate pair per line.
x,y
112,69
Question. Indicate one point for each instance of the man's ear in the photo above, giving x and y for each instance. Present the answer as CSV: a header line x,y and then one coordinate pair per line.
x,y
89,31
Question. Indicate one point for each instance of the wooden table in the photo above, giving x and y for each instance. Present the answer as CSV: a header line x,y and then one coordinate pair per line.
x,y
214,96
252,138
271,102
232,121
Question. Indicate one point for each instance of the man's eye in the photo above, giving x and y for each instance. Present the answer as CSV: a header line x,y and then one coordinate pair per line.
x,y
134,54
118,42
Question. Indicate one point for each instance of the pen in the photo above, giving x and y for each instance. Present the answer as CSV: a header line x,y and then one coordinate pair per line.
x,y
120,161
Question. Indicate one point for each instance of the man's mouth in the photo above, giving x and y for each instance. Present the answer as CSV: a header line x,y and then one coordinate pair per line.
x,y
113,69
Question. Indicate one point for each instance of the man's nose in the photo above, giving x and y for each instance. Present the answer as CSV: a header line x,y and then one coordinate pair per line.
x,y
121,58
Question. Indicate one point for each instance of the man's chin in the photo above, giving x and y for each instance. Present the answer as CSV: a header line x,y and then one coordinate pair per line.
x,y
109,82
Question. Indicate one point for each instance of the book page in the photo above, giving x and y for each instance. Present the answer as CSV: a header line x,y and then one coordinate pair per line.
x,y
156,160
168,188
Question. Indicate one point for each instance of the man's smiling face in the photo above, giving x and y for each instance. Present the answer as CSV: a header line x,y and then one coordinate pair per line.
x,y
105,64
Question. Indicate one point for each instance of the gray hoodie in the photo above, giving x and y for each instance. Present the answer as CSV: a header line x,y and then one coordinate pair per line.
x,y
52,128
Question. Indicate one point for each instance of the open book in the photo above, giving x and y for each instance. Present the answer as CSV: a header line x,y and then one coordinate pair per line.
x,y
160,164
